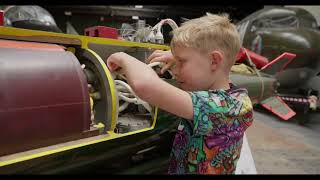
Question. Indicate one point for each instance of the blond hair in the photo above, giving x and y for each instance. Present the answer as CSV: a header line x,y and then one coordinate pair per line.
x,y
207,33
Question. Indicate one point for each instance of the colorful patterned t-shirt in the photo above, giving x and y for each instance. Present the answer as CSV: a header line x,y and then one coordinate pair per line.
x,y
212,141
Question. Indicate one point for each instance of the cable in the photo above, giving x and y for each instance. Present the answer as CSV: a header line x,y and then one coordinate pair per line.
x,y
121,85
125,85
155,64
123,106
135,100
156,30
258,73
159,64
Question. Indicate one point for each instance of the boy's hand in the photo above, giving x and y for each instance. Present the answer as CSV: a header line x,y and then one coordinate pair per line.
x,y
162,56
114,61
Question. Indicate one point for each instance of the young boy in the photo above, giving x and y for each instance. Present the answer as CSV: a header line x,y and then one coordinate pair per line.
x,y
214,112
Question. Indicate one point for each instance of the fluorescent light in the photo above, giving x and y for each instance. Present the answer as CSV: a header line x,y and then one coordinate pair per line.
x,y
68,13
138,6
135,17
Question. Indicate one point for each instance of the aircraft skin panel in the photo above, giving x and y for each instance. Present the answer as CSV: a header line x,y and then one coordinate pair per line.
x,y
278,107
44,99
30,45
11,159
259,87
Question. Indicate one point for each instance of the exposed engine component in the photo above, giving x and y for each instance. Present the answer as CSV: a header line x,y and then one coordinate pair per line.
x,y
127,100
63,94
44,96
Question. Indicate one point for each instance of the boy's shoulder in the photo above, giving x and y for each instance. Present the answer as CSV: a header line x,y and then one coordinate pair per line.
x,y
234,91
222,101
221,109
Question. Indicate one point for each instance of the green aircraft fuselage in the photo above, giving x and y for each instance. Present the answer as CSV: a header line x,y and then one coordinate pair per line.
x,y
272,31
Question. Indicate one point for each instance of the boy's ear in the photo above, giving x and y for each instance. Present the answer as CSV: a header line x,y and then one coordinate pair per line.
x,y
216,59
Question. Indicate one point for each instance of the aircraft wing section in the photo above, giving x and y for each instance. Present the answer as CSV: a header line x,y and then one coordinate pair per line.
x,y
278,107
278,64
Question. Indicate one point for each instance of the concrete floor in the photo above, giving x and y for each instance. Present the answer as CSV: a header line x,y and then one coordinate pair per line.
x,y
285,147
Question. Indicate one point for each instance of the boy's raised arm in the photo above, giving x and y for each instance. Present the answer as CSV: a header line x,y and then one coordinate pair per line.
x,y
149,87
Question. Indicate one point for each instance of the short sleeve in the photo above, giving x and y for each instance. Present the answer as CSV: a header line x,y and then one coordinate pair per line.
x,y
201,110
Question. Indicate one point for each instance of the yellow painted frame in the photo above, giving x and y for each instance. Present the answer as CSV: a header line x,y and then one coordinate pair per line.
x,y
60,38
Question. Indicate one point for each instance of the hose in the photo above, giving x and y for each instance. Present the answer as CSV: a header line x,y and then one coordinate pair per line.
x,y
257,72
123,106
135,100
121,86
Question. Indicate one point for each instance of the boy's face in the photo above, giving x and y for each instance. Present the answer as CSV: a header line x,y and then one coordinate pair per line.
x,y
193,69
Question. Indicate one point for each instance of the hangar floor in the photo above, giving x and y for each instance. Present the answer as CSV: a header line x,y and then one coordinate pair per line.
x,y
285,147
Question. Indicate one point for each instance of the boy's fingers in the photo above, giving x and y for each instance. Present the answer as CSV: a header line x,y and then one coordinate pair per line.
x,y
152,56
112,66
155,54
165,68
159,59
